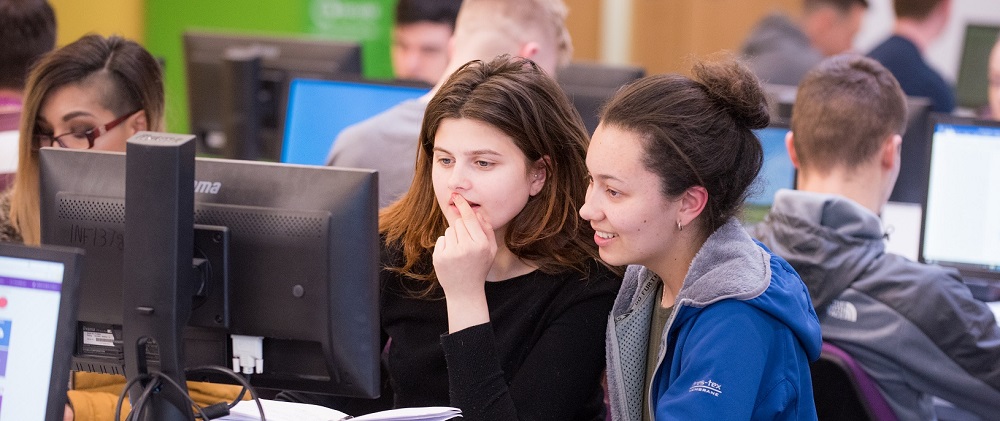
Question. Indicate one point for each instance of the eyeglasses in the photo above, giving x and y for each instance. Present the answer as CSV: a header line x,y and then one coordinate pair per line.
x,y
80,140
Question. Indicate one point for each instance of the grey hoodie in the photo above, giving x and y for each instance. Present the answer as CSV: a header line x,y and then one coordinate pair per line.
x,y
778,52
915,328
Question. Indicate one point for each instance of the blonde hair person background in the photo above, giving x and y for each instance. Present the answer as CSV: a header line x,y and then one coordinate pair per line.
x,y
72,96
492,294
709,324
387,142
93,93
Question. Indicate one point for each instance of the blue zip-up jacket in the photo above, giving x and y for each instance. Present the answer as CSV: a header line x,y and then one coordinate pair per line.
x,y
738,341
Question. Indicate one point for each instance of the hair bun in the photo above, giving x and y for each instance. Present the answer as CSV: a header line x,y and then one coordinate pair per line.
x,y
732,86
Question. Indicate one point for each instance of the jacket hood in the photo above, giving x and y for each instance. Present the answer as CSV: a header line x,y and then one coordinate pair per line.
x,y
731,265
830,239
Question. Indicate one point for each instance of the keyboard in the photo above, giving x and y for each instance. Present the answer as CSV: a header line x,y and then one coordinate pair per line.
x,y
983,289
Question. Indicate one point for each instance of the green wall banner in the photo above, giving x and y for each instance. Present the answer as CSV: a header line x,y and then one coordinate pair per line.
x,y
366,21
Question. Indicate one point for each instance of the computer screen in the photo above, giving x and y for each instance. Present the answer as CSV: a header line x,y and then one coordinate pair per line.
x,y
38,288
961,222
972,83
318,110
777,173
225,84
589,85
291,252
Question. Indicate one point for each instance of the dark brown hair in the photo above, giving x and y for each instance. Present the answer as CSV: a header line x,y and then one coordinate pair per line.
x,y
697,132
435,11
841,5
27,31
517,98
914,9
845,108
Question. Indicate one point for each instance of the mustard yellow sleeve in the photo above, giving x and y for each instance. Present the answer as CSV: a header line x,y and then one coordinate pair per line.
x,y
205,394
94,396
95,406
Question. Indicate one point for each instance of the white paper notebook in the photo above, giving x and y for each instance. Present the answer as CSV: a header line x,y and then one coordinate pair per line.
x,y
290,411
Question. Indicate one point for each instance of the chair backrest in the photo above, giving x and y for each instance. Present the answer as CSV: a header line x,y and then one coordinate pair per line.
x,y
843,391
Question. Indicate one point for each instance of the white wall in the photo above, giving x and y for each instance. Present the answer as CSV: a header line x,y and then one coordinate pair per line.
x,y
945,53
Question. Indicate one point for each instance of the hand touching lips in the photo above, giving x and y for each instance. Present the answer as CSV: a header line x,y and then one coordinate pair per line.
x,y
462,259
464,254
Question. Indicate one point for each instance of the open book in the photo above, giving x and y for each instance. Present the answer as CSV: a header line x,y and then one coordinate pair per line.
x,y
290,411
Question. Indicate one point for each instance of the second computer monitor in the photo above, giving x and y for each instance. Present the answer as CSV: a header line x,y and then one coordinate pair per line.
x,y
777,173
319,109
961,222
38,296
973,73
240,82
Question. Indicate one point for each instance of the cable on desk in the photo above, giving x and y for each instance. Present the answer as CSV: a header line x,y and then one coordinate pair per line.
x,y
205,413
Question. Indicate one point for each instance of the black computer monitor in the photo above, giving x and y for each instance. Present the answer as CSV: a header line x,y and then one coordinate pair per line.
x,y
589,85
288,253
911,185
780,99
973,73
237,86
960,221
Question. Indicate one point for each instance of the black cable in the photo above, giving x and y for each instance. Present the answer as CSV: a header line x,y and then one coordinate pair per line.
x,y
156,381
243,392
140,403
183,392
121,396
240,379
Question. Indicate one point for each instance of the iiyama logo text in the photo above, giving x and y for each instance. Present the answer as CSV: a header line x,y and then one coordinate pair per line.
x,y
207,187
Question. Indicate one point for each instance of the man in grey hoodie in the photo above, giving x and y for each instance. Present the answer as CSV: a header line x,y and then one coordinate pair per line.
x,y
781,49
915,328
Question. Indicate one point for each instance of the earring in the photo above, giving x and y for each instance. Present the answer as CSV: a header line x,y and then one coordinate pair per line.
x,y
679,226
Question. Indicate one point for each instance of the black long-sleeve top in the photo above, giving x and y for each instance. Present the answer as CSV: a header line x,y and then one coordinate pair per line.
x,y
540,357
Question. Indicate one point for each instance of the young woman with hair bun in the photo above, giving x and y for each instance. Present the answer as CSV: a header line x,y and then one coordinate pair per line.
x,y
709,324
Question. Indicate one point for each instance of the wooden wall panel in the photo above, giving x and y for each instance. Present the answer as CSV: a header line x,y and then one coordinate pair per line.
x,y
668,34
584,23
76,18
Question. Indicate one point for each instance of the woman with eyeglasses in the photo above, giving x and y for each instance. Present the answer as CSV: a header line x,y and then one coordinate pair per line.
x,y
94,93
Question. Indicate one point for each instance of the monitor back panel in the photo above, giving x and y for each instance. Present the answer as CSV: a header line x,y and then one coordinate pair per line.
x,y
282,58
911,185
590,85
